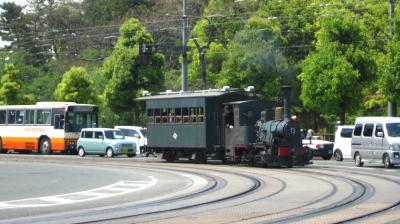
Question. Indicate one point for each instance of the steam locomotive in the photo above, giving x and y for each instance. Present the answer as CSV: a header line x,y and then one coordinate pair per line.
x,y
226,124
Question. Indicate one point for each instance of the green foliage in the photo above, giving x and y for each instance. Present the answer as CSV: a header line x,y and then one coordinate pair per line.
x,y
125,73
10,86
76,87
253,60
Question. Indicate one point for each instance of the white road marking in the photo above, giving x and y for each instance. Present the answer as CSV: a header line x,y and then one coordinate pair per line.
x,y
119,188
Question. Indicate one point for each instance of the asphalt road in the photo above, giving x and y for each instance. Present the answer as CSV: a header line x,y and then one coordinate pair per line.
x,y
324,192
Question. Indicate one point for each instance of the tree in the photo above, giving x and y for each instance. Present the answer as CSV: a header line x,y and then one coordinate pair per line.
x,y
10,86
254,60
129,73
76,87
332,76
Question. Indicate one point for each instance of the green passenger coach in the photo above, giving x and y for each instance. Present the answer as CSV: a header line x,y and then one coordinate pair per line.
x,y
189,124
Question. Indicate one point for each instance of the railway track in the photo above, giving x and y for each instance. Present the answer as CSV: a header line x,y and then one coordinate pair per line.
x,y
240,194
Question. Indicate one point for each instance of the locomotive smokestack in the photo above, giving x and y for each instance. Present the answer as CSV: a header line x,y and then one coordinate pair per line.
x,y
287,94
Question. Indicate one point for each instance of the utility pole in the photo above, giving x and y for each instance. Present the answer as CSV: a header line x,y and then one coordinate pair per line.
x,y
392,107
184,49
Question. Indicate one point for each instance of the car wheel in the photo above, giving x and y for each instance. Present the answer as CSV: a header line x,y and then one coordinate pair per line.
x,y
386,161
81,152
358,160
45,146
109,152
338,155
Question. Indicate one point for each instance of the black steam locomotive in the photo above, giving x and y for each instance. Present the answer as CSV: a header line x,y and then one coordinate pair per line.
x,y
231,125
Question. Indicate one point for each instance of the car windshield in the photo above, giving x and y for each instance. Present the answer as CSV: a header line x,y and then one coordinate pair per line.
x,y
393,129
144,132
114,134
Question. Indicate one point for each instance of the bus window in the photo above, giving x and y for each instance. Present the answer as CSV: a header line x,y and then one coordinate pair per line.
x,y
58,121
43,116
20,114
76,121
11,117
29,116
2,116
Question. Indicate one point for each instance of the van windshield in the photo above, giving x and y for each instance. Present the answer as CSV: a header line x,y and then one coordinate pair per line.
x,y
114,134
393,129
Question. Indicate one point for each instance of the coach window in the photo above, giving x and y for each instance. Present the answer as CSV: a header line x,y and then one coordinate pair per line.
x,y
178,115
368,129
20,115
2,116
171,115
11,117
185,115
29,117
200,114
150,116
157,115
164,112
193,114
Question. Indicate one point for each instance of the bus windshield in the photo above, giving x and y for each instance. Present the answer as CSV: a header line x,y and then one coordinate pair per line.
x,y
78,120
114,134
393,129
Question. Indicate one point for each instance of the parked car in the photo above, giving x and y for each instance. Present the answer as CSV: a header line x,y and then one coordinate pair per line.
x,y
319,147
342,146
136,134
376,140
105,141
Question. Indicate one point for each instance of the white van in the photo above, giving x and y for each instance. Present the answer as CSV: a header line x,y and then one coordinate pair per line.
x,y
342,146
136,134
376,140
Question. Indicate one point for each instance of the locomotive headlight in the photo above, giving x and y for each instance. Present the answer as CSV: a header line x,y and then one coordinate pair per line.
x,y
394,147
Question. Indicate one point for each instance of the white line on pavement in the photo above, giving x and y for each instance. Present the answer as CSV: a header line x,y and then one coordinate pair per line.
x,y
116,189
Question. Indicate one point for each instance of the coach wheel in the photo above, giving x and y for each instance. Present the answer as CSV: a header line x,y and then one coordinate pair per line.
x,y
110,152
386,161
45,146
170,157
81,152
358,160
201,157
338,155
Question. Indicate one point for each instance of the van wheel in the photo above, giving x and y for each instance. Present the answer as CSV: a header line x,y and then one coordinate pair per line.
x,y
81,152
338,155
45,146
386,161
358,160
110,152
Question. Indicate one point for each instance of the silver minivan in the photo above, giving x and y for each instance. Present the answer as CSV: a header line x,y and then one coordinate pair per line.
x,y
376,140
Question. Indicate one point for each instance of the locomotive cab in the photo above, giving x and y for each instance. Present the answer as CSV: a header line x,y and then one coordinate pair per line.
x,y
239,131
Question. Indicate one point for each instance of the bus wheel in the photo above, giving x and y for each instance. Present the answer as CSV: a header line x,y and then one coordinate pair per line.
x,y
1,147
45,146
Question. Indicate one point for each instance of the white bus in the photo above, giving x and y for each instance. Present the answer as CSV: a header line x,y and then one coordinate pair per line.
x,y
45,127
